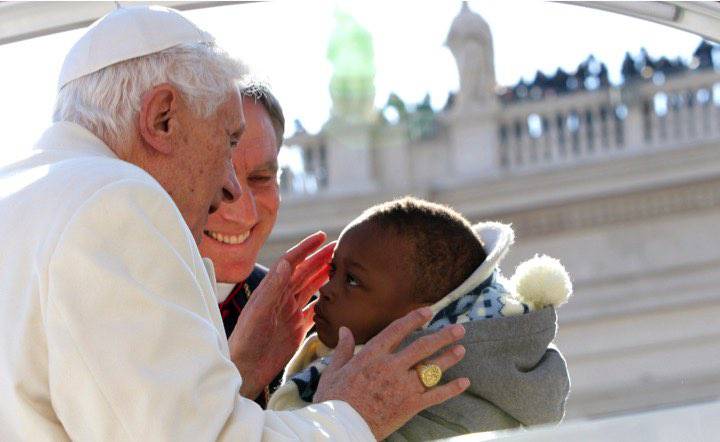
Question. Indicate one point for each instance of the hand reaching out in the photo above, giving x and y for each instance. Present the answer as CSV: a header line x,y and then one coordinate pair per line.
x,y
381,384
276,318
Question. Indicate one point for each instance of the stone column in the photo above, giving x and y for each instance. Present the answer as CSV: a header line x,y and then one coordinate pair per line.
x,y
349,157
473,138
392,159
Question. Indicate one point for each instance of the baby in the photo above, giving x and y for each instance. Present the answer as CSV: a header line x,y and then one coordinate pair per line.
x,y
408,253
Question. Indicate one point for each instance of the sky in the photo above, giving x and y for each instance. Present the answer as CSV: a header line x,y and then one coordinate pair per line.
x,y
286,42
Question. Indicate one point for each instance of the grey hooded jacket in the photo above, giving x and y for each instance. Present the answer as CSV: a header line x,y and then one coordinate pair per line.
x,y
517,378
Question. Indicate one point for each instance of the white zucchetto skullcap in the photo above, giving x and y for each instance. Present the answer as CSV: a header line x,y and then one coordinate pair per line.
x,y
126,33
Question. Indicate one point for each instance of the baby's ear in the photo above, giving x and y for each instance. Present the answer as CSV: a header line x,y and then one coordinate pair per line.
x,y
542,281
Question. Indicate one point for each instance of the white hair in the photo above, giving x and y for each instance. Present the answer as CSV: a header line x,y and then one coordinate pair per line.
x,y
107,102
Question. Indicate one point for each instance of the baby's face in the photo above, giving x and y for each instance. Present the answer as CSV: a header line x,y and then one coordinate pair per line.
x,y
370,285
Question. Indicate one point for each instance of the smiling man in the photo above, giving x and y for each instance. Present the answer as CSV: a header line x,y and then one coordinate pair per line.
x,y
235,234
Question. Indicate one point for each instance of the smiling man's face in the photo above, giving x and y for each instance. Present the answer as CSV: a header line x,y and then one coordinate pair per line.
x,y
236,232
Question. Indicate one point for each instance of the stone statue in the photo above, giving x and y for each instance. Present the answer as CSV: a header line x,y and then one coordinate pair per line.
x,y
470,41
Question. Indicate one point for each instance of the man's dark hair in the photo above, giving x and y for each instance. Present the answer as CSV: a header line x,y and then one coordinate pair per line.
x,y
260,92
444,248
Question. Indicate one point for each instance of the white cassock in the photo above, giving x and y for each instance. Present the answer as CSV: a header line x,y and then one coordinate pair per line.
x,y
109,327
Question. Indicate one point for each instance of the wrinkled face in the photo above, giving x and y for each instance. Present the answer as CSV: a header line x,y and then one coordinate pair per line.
x,y
370,285
236,232
203,173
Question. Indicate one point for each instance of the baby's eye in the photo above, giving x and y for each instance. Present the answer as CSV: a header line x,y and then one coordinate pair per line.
x,y
351,280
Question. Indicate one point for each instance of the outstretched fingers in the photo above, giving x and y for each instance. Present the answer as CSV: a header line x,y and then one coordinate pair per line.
x,y
304,248
315,263
388,340
311,287
427,346
441,393
274,286
448,358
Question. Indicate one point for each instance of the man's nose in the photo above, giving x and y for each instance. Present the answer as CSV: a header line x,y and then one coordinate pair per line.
x,y
243,210
231,187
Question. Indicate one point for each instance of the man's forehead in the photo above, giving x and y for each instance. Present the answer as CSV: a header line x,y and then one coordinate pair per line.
x,y
254,157
233,113
260,147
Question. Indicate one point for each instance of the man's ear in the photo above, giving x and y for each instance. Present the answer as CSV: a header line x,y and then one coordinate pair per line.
x,y
157,111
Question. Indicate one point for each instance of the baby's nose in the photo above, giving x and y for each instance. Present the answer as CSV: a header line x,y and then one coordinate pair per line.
x,y
325,292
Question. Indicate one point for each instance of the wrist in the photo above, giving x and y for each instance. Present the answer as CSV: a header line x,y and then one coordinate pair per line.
x,y
250,390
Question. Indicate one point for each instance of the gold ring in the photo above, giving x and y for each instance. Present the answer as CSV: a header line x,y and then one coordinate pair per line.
x,y
429,374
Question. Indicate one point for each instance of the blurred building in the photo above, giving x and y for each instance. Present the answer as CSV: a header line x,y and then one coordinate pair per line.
x,y
621,182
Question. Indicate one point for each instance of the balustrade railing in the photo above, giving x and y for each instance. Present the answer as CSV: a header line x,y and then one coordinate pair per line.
x,y
682,112
597,125
559,131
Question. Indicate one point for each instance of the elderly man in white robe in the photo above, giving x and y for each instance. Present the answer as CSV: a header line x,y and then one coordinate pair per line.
x,y
109,325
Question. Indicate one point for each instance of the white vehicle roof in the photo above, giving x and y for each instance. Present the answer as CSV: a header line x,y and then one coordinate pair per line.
x,y
26,19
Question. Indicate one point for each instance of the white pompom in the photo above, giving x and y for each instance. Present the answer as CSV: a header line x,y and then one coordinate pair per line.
x,y
542,281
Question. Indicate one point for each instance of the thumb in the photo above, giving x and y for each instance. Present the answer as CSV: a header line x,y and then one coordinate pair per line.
x,y
343,351
308,316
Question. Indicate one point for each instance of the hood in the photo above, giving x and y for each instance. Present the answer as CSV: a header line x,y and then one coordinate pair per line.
x,y
537,283
483,295
497,239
